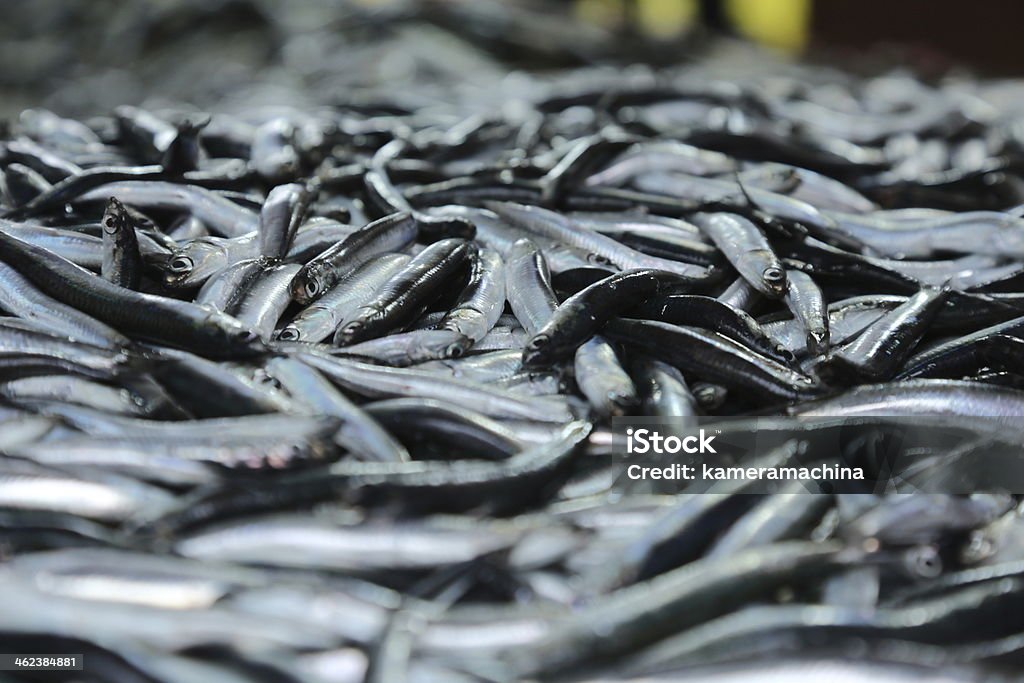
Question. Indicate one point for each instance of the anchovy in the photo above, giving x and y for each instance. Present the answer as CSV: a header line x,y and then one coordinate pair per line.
x,y
594,246
267,297
713,357
377,382
602,379
106,497
528,283
122,262
748,251
321,318
173,455
877,352
23,299
995,234
220,215
846,319
71,389
176,323
410,348
358,431
403,297
693,310
224,291
668,155
807,303
283,211
482,301
391,233
21,185
213,390
923,397
272,150
643,613
465,433
579,317
718,190
663,389
302,542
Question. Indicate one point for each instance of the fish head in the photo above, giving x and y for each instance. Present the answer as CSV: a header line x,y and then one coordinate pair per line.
x,y
440,344
194,263
115,217
535,354
307,285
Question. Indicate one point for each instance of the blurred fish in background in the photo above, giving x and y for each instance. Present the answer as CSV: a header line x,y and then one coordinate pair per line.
x,y
78,57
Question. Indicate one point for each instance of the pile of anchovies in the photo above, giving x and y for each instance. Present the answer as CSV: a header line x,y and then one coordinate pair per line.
x,y
326,394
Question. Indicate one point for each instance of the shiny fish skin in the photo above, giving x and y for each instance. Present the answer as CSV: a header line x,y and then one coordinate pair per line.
x,y
23,299
224,291
403,296
101,497
410,348
603,380
923,397
321,318
528,285
876,353
303,543
220,215
388,234
122,262
282,213
71,389
148,316
358,431
266,298
580,316
805,300
663,389
594,246
392,382
547,231
745,246
481,303
713,357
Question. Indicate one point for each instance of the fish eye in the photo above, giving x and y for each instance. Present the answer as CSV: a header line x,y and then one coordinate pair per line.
x,y
289,334
312,288
773,274
454,351
180,264
925,562
538,342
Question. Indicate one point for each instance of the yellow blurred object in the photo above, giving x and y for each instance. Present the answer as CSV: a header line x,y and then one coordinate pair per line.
x,y
783,24
665,18
605,13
